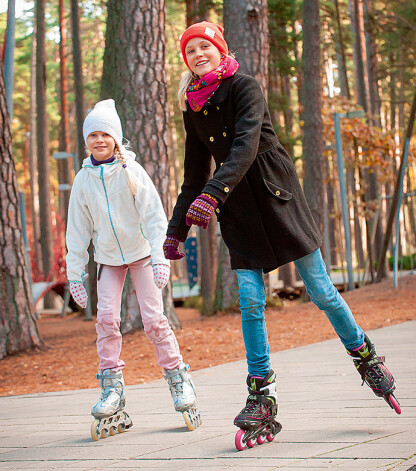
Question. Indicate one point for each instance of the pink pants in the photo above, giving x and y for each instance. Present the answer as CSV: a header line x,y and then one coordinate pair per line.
x,y
149,296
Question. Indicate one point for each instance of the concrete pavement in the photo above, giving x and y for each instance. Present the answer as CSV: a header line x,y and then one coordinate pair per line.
x,y
329,421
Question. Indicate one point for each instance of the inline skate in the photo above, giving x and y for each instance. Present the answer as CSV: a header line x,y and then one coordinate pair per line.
x,y
257,420
183,394
374,373
110,417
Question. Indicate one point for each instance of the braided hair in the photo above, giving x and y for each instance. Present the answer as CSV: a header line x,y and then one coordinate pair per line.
x,y
120,152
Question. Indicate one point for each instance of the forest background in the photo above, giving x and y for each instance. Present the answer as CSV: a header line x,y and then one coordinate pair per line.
x,y
365,61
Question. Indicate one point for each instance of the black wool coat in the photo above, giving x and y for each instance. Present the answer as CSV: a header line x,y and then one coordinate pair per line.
x,y
264,218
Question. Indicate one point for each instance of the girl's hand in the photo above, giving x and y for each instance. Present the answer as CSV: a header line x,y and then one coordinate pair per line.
x,y
79,294
170,248
161,275
200,211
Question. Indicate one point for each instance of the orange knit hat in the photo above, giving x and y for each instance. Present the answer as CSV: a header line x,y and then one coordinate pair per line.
x,y
204,29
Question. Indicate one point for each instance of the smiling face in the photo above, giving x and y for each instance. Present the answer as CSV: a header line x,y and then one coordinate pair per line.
x,y
202,56
101,145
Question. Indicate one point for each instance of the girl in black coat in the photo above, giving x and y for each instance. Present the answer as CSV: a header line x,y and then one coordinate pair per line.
x,y
263,215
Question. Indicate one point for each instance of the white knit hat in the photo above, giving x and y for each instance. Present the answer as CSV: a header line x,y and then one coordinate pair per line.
x,y
103,117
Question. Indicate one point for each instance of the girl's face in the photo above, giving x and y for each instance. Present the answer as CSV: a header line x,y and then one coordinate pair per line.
x,y
202,56
101,145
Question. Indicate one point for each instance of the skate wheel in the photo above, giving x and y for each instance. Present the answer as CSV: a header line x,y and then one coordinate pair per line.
x,y
121,428
189,420
394,404
113,430
261,439
240,443
270,437
95,434
251,442
104,433
192,418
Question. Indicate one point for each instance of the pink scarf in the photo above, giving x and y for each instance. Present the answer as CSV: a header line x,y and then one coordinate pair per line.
x,y
201,90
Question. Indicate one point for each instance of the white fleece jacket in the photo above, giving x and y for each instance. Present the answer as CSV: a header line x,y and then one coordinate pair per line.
x,y
123,228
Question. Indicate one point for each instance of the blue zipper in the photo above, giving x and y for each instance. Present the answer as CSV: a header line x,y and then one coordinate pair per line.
x,y
109,214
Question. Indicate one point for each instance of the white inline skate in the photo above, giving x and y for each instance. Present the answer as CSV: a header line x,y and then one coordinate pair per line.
x,y
110,417
183,394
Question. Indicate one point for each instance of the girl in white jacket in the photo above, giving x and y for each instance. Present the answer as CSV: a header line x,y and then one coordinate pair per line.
x,y
114,203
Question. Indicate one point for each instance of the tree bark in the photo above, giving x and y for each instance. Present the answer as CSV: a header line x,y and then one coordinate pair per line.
x,y
226,294
197,10
374,97
78,81
42,144
340,48
247,33
134,75
33,162
64,165
361,77
18,330
313,127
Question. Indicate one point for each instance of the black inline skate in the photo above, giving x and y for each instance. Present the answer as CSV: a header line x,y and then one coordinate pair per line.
x,y
374,373
257,420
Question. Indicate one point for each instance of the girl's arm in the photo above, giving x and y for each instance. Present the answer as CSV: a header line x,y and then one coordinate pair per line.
x,y
152,215
78,233
249,106
197,168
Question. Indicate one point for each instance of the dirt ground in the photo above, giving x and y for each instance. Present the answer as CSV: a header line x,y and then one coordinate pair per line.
x,y
69,359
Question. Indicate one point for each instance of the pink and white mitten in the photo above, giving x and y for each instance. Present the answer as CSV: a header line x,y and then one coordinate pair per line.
x,y
79,293
161,275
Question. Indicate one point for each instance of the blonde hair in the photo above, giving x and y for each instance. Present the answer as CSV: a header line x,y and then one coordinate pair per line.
x,y
186,80
121,152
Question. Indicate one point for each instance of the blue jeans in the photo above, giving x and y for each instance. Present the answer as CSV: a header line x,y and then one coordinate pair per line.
x,y
323,293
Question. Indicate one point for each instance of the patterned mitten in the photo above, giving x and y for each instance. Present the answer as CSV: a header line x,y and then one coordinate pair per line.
x,y
161,275
78,293
170,248
200,211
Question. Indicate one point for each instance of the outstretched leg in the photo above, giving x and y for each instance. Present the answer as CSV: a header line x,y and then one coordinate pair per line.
x,y
323,293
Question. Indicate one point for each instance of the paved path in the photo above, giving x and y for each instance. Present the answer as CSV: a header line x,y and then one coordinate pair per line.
x,y
329,421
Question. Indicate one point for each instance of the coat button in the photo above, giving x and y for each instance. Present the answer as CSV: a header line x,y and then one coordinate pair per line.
x,y
205,112
224,134
218,108
211,139
226,189
277,193
217,211
221,163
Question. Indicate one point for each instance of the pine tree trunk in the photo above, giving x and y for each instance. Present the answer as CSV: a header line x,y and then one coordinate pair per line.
x,y
196,10
33,160
313,128
65,165
299,76
288,275
340,50
134,75
226,294
42,144
375,100
375,108
18,330
360,69
78,80
247,33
